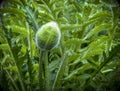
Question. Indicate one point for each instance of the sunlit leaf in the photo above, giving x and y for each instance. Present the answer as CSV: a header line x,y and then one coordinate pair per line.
x,y
98,29
12,11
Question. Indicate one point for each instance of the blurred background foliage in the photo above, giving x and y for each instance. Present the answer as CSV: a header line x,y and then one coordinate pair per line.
x,y
87,58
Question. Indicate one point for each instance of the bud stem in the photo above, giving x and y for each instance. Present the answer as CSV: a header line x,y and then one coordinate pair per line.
x,y
40,77
47,72
44,73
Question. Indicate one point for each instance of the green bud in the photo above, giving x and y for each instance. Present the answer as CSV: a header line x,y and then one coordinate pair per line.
x,y
48,36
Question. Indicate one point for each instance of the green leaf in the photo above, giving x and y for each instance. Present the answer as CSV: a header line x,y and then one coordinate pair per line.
x,y
13,11
78,71
86,11
98,29
70,26
45,14
53,65
45,8
74,41
94,52
99,42
107,70
17,1
73,57
101,14
84,76
4,46
7,59
12,68
18,29
32,17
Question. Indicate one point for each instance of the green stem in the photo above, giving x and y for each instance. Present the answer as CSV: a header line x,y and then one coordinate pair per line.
x,y
59,73
47,72
40,77
44,73
29,62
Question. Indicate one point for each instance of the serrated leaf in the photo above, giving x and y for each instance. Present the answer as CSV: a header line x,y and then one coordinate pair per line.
x,y
78,71
18,29
4,46
32,17
98,42
13,11
7,59
22,51
12,68
2,38
95,48
53,65
56,10
98,29
44,14
92,62
17,1
35,67
75,41
45,8
52,2
86,11
73,57
70,26
101,14
94,52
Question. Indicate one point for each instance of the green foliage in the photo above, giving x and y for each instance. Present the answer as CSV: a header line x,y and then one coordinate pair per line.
x,y
87,58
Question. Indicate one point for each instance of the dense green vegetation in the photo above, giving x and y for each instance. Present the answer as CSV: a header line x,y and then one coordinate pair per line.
x,y
86,59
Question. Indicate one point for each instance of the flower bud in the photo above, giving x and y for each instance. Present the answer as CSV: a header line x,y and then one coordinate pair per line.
x,y
48,36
